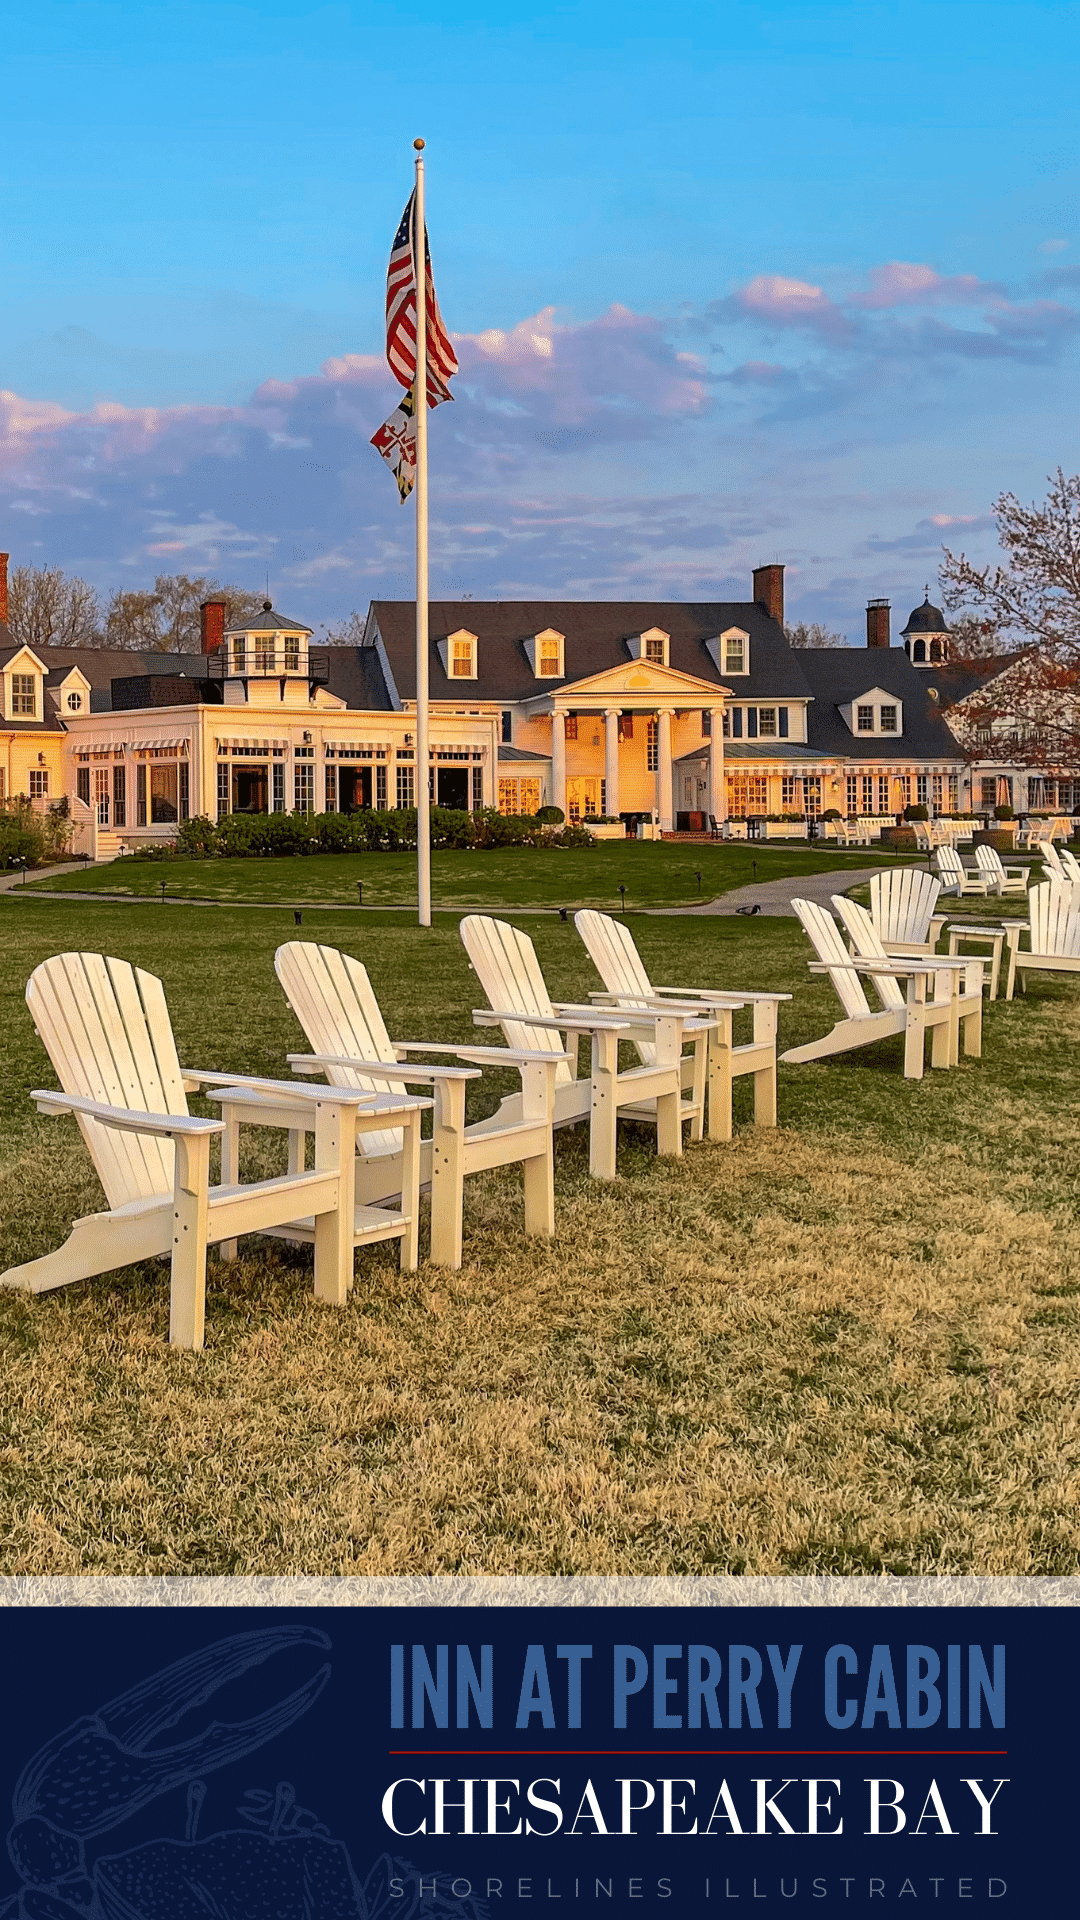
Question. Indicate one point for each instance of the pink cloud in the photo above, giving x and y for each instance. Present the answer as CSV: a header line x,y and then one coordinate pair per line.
x,y
908,283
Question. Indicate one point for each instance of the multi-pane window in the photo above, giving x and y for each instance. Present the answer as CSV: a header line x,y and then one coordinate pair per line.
x,y
506,727
571,726
39,782
477,787
22,693
304,786
735,653
119,794
74,702
726,725
746,793
652,746
292,653
989,791
706,724
223,788
811,787
626,726
185,788
239,654
461,659
864,719
883,793
264,653
866,783
654,650
887,719
853,793
788,795
141,803
548,667
164,795
405,785
3,783
767,720
330,788
921,788
380,788
279,786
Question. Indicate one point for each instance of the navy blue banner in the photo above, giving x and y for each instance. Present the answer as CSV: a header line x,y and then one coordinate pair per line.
x,y
362,1764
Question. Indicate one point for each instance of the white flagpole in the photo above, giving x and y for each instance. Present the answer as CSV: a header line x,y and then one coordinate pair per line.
x,y
423,803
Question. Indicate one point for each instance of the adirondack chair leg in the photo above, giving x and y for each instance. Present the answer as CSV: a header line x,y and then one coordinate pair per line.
x,y
447,1175
669,1105
410,1195
945,1037
230,1169
335,1151
915,1029
604,1110
537,1095
187,1293
1014,943
698,1063
971,1017
97,1244
765,1077
720,1082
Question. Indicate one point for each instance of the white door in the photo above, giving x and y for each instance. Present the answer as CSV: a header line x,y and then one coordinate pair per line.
x,y
101,794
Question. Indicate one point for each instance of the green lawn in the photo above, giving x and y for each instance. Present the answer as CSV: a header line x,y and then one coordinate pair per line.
x,y
848,1346
653,873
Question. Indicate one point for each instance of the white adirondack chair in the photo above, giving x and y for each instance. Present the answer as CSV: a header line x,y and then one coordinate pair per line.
x,y
1070,865
921,830
620,966
106,1028
1053,929
1051,859
955,877
506,965
862,1026
960,982
1002,879
332,997
902,902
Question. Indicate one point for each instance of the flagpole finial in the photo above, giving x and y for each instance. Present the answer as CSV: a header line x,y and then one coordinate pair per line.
x,y
419,145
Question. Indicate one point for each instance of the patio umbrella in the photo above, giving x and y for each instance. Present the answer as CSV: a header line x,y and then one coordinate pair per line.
x,y
1004,791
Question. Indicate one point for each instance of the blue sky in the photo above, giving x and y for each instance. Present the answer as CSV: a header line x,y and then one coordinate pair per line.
x,y
773,281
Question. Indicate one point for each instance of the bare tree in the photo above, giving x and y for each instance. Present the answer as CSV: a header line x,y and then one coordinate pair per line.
x,y
1028,611
814,635
347,633
167,620
47,607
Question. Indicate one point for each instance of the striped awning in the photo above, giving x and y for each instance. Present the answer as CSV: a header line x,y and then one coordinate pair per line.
x,y
147,746
251,740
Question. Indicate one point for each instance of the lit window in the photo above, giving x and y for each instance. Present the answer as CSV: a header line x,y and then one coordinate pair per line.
x,y
22,693
461,660
767,720
239,654
652,746
571,726
888,720
549,667
74,702
864,720
735,653
654,650
39,782
292,653
264,653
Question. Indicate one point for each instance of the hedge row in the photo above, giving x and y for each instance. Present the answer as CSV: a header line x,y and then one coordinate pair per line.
x,y
250,835
30,839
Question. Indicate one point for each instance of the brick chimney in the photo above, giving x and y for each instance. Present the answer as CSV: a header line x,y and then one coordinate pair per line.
x,y
877,623
212,615
3,589
769,590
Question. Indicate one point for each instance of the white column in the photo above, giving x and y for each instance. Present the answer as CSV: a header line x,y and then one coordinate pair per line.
x,y
717,791
558,760
611,760
663,770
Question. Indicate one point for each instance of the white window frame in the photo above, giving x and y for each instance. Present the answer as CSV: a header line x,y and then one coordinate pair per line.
x,y
727,644
893,707
770,731
864,717
548,639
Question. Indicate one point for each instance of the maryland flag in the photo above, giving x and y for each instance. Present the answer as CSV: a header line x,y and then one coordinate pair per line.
x,y
396,441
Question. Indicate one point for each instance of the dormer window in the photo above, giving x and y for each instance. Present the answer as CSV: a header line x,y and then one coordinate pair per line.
x,y
74,703
887,720
652,645
734,652
545,652
23,700
461,660
864,720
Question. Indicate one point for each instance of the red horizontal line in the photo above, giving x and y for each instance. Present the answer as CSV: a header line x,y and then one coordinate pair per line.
x,y
697,1753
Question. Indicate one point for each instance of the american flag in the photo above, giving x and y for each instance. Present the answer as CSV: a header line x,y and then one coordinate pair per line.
x,y
401,318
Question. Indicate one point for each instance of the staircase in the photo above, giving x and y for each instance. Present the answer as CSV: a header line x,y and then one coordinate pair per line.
x,y
108,846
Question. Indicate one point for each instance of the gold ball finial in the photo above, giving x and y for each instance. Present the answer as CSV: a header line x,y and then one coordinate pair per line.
x,y
419,145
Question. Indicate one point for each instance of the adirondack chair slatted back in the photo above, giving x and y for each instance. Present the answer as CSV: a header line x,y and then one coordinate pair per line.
x,y
902,902
1055,924
1052,859
828,944
865,941
333,999
949,864
616,959
988,861
1070,865
509,972
106,1029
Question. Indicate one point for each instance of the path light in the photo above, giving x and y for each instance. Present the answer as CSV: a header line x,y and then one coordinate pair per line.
x,y
753,863
697,877
622,897
359,893
564,913
163,886
298,918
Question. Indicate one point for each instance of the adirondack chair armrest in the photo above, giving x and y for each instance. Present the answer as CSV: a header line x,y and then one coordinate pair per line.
x,y
123,1119
399,1070
901,969
495,1056
716,997
581,1020
273,1091
653,1005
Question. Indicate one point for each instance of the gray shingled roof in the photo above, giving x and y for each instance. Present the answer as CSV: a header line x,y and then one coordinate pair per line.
x,y
596,634
925,619
838,675
269,622
521,753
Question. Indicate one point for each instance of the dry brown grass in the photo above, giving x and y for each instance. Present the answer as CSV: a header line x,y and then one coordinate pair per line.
x,y
846,1347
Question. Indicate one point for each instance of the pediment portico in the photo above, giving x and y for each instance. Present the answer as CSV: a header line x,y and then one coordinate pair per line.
x,y
659,697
